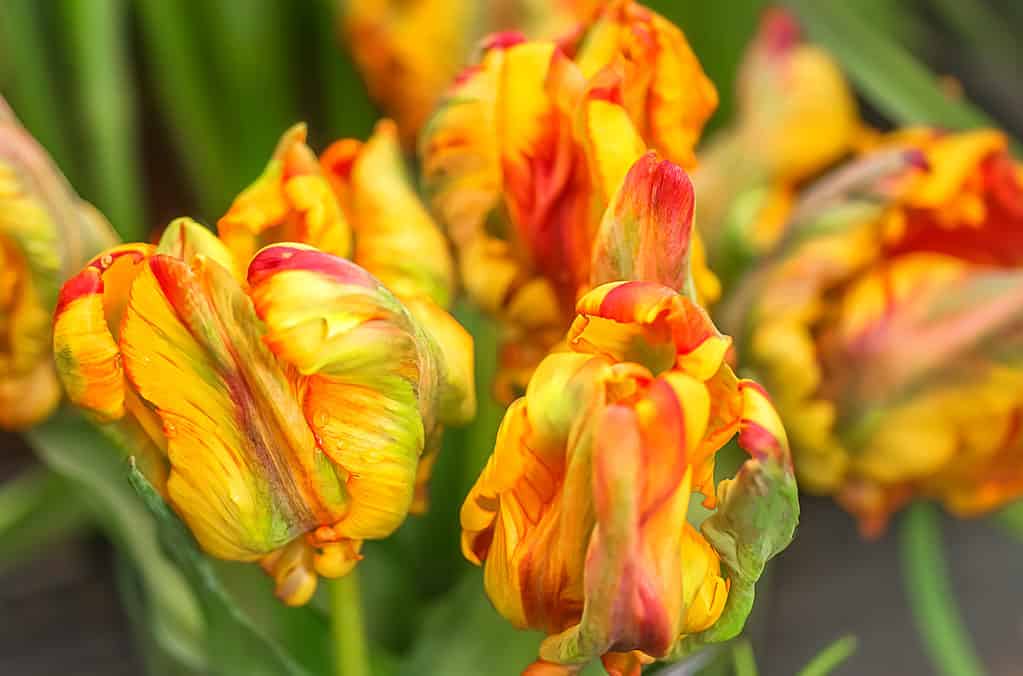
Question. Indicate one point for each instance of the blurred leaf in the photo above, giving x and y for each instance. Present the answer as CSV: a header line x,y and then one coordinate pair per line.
x,y
985,33
34,89
348,110
891,79
187,94
235,644
36,508
830,658
157,661
96,35
259,95
462,635
83,455
1011,519
925,576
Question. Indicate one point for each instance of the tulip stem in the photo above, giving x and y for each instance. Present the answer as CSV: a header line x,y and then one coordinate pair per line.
x,y
945,637
351,656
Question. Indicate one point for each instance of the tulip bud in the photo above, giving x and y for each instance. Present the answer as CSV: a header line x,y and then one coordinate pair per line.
x,y
579,517
871,326
46,232
290,406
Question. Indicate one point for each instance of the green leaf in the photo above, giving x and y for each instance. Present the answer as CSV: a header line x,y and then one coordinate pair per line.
x,y
85,456
187,94
36,508
97,37
462,635
891,79
745,661
830,658
235,644
925,575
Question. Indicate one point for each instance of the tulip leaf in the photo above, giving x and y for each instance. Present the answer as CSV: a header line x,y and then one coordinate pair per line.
x,y
235,644
36,508
829,659
87,458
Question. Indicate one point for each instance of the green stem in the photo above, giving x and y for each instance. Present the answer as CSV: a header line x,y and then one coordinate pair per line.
x,y
830,658
944,634
96,35
351,656
745,662
1011,519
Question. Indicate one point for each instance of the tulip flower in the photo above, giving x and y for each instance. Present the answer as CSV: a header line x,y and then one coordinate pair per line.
x,y
796,116
579,518
524,154
289,400
46,232
887,322
356,201
409,50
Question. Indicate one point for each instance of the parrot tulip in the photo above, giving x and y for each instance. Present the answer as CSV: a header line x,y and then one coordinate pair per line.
x,y
580,515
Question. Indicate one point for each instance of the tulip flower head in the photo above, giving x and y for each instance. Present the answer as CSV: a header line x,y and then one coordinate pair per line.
x,y
523,156
356,201
287,399
888,326
46,232
579,518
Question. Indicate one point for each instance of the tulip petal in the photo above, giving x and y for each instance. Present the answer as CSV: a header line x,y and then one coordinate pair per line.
x,y
646,230
396,239
247,474
291,201
370,376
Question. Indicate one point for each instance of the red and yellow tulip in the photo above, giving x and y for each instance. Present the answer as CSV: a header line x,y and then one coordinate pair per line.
x,y
290,402
579,518
356,201
887,322
409,50
527,149
46,232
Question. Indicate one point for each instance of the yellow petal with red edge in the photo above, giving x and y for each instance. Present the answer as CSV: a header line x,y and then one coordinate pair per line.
x,y
247,474
396,239
86,327
370,376
290,202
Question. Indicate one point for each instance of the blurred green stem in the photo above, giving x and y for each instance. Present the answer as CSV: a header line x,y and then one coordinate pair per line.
x,y
745,662
96,34
34,90
351,656
1011,518
830,658
925,574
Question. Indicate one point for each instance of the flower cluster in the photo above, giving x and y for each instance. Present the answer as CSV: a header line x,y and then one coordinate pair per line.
x,y
285,397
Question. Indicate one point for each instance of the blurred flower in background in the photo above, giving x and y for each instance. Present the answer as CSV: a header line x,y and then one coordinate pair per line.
x,y
526,150
46,232
576,517
890,331
409,51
